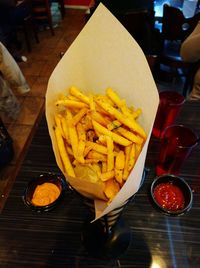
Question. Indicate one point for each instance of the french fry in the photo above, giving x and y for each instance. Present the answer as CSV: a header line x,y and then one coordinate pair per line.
x,y
70,97
110,154
131,161
57,118
81,132
79,95
137,113
91,103
78,116
97,147
127,155
114,125
98,135
87,150
100,119
80,152
97,168
104,167
100,110
125,110
69,150
106,99
72,134
116,138
87,122
119,175
65,128
111,189
63,154
87,162
120,160
132,124
119,166
129,135
91,160
81,143
107,175
114,97
95,155
72,104
120,103
102,139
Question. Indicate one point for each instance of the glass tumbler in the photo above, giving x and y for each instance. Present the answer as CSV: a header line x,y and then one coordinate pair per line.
x,y
168,109
176,145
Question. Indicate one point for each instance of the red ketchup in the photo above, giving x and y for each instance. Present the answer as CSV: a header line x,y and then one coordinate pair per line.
x,y
169,196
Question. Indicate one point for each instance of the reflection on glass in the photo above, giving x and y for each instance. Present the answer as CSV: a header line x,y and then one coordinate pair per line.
x,y
158,7
189,8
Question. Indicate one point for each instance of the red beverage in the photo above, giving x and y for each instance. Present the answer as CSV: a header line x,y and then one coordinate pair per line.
x,y
168,109
176,144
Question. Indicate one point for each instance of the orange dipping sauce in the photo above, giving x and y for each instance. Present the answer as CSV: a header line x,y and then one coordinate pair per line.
x,y
45,194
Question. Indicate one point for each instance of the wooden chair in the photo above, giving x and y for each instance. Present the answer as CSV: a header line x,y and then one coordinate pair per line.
x,y
42,13
175,28
140,24
152,61
26,25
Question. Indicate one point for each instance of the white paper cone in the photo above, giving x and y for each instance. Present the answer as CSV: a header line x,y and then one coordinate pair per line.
x,y
105,55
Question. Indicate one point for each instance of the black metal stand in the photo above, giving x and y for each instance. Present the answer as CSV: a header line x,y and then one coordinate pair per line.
x,y
109,237
106,244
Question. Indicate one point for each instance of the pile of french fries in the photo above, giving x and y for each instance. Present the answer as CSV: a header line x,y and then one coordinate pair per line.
x,y
99,131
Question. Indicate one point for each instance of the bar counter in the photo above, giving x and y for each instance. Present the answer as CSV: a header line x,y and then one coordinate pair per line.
x,y
53,239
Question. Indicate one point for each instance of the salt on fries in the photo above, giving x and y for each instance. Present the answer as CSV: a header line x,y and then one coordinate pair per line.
x,y
99,131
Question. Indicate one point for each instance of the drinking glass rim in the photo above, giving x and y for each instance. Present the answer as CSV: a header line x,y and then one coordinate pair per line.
x,y
176,93
185,127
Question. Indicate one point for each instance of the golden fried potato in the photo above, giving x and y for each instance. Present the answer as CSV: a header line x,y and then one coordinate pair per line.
x,y
116,138
119,166
110,154
63,154
99,133
111,189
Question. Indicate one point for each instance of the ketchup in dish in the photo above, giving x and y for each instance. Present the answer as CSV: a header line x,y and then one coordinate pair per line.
x,y
45,194
169,196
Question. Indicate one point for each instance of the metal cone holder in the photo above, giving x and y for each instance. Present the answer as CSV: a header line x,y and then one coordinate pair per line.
x,y
110,236
109,220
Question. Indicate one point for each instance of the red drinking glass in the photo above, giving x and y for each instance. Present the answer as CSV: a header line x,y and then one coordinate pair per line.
x,y
176,144
168,109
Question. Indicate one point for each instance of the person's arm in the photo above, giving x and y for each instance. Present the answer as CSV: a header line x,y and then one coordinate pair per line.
x,y
11,72
190,48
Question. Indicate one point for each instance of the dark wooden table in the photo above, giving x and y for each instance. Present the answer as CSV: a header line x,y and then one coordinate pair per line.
x,y
53,239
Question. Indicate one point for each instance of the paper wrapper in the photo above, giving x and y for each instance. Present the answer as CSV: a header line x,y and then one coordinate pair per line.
x,y
105,55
